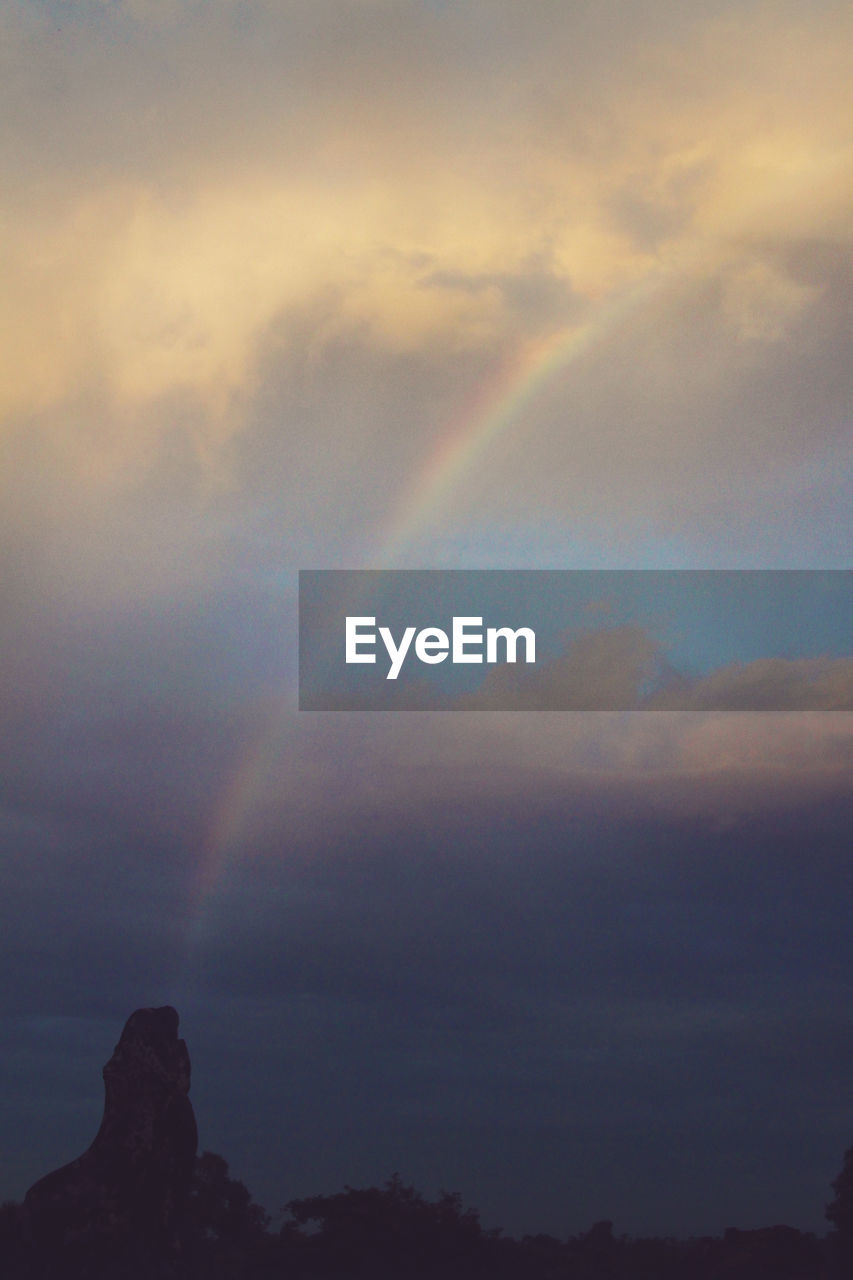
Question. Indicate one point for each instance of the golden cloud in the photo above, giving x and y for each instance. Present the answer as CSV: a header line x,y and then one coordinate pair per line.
x,y
130,280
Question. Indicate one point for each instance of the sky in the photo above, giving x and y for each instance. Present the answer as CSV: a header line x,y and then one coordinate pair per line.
x,y
400,284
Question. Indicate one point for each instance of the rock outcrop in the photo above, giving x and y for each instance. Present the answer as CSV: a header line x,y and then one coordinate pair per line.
x,y
127,1193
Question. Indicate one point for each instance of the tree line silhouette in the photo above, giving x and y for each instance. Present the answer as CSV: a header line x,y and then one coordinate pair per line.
x,y
141,1204
394,1232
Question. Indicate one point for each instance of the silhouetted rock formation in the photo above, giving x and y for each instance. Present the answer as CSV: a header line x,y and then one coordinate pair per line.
x,y
128,1192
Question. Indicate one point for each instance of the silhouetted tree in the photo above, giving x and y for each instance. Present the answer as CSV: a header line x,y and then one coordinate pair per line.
x,y
597,1252
227,1230
839,1212
221,1207
392,1231
772,1253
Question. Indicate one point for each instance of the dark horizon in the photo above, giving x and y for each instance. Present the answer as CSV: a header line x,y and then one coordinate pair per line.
x,y
541,1064
151,1066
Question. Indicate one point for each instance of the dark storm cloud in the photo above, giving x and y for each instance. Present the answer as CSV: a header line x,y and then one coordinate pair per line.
x,y
545,968
455,959
564,971
545,894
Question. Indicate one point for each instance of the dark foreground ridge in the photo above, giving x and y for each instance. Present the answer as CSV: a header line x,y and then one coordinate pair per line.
x,y
140,1205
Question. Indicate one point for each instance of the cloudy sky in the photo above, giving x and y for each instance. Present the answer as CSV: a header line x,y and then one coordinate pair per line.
x,y
437,284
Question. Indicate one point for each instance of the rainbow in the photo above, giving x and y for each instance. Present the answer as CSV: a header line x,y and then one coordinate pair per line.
x,y
494,407
236,801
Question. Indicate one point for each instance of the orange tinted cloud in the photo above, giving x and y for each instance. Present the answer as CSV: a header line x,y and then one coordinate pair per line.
x,y
217,189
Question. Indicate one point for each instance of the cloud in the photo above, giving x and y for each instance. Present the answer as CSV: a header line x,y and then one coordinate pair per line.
x,y
768,684
259,262
626,668
762,304
205,172
602,671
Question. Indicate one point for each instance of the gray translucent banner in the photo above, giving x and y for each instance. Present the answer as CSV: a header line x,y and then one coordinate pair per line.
x,y
575,640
